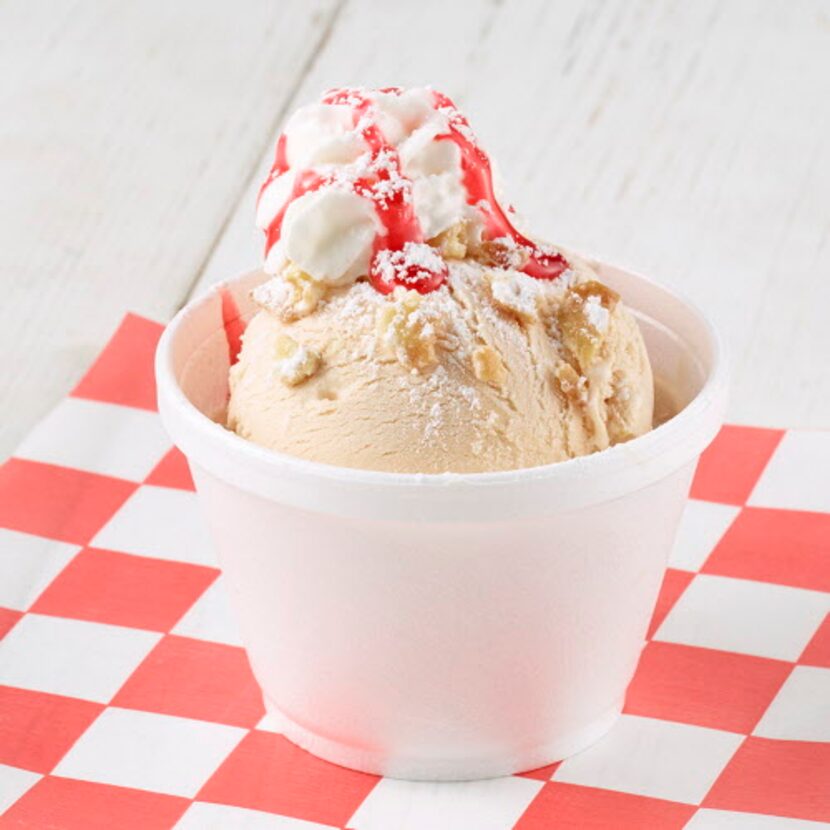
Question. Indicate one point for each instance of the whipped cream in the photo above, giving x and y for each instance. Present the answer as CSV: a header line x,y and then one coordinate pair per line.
x,y
365,178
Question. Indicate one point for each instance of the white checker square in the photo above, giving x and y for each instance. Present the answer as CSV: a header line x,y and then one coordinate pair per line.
x,y
211,617
161,753
160,522
72,658
203,816
14,783
727,820
271,722
492,804
801,709
655,758
797,476
748,617
27,565
103,438
701,528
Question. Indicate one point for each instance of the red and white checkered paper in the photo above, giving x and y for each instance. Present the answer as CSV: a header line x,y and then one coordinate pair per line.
x,y
127,701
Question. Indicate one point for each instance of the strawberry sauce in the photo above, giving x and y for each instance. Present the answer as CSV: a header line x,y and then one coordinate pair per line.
x,y
396,211
478,182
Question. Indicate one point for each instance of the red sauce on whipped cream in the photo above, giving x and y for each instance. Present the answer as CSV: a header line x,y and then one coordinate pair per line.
x,y
390,191
478,182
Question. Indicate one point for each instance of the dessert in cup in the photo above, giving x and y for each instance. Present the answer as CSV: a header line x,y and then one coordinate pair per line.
x,y
438,479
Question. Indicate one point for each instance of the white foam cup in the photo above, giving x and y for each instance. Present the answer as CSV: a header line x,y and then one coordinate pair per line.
x,y
444,626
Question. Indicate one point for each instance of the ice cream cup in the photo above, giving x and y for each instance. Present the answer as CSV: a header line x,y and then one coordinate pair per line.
x,y
444,626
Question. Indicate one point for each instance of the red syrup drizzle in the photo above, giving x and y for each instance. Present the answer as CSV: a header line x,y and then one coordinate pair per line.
x,y
478,182
280,164
233,323
305,182
395,210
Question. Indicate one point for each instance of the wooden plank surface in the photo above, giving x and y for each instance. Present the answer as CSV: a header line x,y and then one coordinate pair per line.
x,y
685,140
127,130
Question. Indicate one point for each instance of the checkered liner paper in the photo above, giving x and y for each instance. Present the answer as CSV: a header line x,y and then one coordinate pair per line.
x,y
127,701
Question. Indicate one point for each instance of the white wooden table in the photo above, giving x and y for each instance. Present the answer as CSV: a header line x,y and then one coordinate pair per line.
x,y
690,141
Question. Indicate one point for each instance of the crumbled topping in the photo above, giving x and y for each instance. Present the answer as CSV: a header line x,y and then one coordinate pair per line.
x,y
290,295
452,243
516,294
593,288
407,330
503,252
596,313
571,384
583,319
295,362
488,366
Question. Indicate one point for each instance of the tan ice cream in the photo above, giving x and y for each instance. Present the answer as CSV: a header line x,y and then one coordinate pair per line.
x,y
470,350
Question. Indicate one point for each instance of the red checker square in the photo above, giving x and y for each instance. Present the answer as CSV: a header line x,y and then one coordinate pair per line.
x,y
817,652
82,805
195,679
58,502
123,372
780,778
787,547
704,687
172,471
541,774
267,772
122,589
588,808
732,464
8,618
37,729
674,584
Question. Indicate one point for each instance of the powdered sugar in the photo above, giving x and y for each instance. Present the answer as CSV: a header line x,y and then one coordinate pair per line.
x,y
272,294
290,366
356,303
514,255
434,421
411,265
470,396
350,96
458,122
516,292
441,399
596,313
375,176
300,364
568,278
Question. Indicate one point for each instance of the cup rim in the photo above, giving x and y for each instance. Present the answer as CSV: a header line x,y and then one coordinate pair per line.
x,y
673,443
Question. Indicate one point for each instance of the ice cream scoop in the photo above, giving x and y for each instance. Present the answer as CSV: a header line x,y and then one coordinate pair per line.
x,y
406,324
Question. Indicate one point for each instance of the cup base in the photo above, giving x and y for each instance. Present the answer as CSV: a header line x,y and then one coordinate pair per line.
x,y
390,765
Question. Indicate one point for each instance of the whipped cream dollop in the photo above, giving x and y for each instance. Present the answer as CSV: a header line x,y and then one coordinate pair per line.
x,y
363,181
